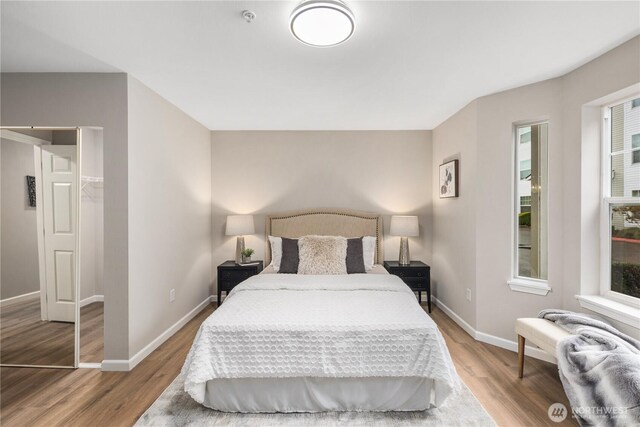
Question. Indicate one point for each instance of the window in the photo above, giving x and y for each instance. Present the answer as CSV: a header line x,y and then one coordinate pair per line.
x,y
530,254
635,147
621,202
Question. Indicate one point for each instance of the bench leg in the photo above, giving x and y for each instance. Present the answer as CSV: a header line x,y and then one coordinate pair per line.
x,y
520,356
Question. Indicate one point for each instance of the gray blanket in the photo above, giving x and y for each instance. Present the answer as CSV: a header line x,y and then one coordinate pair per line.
x,y
600,370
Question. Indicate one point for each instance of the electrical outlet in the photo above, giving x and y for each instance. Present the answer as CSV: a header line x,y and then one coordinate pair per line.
x,y
172,295
468,294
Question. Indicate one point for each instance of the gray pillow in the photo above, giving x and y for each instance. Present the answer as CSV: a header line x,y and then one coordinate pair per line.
x,y
355,258
290,256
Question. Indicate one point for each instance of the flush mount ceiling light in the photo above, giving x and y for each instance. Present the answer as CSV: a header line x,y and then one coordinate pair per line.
x,y
322,23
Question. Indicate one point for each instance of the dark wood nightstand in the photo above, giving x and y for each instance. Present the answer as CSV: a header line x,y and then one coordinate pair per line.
x,y
230,274
416,275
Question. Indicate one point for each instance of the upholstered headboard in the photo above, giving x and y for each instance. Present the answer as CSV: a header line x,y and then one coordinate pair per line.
x,y
325,222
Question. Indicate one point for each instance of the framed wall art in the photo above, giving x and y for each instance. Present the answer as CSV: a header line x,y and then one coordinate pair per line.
x,y
449,179
31,190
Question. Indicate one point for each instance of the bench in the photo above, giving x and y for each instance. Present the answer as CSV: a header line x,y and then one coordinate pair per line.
x,y
543,333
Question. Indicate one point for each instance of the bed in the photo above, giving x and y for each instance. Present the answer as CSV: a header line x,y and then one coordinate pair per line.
x,y
313,343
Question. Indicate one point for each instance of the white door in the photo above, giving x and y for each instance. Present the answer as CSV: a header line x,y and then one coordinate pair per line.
x,y
59,184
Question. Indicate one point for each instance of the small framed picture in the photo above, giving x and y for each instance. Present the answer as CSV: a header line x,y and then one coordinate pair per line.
x,y
449,179
31,190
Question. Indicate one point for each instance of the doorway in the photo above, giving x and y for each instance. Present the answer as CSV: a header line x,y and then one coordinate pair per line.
x,y
39,247
51,256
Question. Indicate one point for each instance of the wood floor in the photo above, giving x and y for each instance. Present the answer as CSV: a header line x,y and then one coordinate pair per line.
x,y
92,333
89,397
27,340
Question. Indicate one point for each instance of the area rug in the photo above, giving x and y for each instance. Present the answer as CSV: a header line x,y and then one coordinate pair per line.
x,y
174,407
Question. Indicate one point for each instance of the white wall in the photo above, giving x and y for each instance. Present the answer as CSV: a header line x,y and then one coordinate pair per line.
x,y
258,173
19,251
574,191
87,99
169,214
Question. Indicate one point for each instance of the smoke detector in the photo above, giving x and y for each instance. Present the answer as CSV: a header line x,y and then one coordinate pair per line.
x,y
248,16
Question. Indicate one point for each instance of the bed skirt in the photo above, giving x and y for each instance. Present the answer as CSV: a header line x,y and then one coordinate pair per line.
x,y
316,394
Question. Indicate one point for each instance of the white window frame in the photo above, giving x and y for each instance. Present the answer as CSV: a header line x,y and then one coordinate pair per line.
x,y
520,283
605,210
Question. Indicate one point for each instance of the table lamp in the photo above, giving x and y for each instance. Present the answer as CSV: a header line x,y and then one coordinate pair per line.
x,y
240,225
404,226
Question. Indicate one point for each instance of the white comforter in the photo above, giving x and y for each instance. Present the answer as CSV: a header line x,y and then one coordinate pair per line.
x,y
358,325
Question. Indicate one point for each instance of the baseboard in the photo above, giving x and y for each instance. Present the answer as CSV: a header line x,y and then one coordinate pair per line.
x,y
116,365
89,365
124,365
459,320
91,300
19,298
534,352
127,365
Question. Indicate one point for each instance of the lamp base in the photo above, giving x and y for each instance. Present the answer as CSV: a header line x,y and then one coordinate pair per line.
x,y
404,258
239,249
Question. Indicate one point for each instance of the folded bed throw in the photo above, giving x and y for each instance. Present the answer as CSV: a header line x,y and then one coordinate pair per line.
x,y
600,370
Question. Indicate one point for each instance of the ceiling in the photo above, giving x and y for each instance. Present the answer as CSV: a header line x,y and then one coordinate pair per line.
x,y
409,65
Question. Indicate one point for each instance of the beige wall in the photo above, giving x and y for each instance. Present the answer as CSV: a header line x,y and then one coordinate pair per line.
x,y
19,251
267,172
454,225
612,72
157,195
494,204
87,99
169,214
574,164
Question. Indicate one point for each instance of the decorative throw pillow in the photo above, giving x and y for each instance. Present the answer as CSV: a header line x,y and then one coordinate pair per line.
x,y
290,258
368,251
322,255
276,252
355,259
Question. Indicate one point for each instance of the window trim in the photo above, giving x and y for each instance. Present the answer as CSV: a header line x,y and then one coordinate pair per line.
x,y
606,201
519,283
625,313
530,286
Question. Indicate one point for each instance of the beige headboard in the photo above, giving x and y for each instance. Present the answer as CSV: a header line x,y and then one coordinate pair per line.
x,y
325,222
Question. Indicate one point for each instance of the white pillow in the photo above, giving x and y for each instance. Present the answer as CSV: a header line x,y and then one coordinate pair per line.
x,y
368,251
276,252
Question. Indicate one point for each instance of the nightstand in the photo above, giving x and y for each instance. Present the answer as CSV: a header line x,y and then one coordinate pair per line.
x,y
416,275
230,274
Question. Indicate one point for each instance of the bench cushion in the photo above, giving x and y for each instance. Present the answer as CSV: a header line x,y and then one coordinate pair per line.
x,y
541,332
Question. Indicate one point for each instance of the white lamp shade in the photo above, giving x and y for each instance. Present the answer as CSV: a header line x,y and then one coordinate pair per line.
x,y
240,225
405,226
